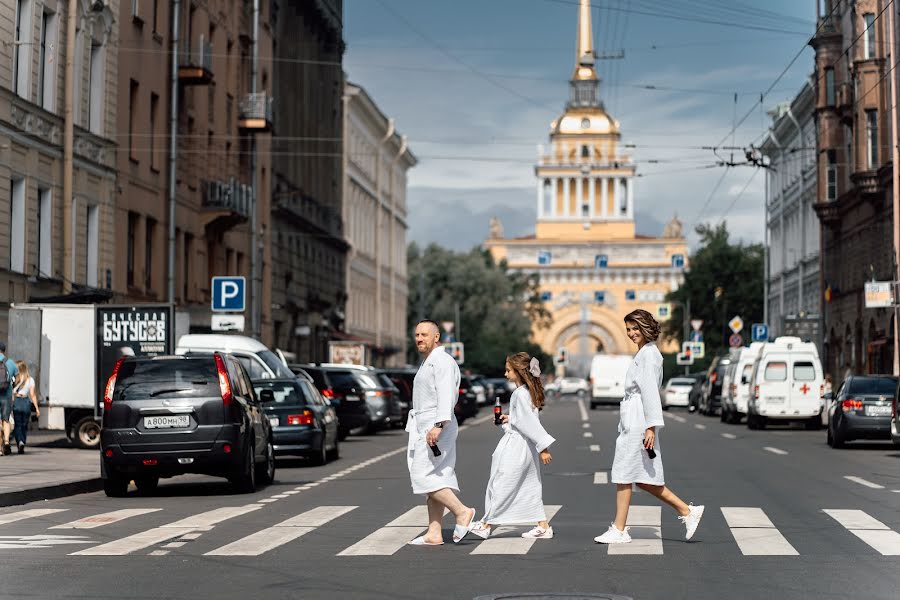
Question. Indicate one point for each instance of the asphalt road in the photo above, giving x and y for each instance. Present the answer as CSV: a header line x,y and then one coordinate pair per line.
x,y
338,531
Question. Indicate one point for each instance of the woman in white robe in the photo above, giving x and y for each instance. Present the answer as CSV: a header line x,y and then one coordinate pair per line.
x,y
514,492
638,458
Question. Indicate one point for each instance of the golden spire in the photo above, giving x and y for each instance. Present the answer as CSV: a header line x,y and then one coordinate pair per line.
x,y
584,58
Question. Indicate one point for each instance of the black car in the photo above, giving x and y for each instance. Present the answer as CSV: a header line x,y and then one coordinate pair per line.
x,y
711,398
341,388
397,407
303,422
467,403
862,409
403,381
500,386
170,415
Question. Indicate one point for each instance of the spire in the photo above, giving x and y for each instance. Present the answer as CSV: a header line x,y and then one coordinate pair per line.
x,y
584,57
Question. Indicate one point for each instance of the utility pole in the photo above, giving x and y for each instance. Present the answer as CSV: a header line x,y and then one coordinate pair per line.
x,y
68,147
173,146
895,177
255,300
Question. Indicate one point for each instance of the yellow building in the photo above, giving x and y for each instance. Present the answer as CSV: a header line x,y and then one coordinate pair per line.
x,y
593,267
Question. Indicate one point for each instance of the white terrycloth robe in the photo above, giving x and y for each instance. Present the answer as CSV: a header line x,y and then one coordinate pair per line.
x,y
435,391
514,492
640,408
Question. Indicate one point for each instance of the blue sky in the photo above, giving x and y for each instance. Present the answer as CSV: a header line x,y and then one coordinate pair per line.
x,y
475,84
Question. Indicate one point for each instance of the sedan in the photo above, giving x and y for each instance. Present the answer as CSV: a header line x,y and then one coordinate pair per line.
x,y
678,392
862,409
573,385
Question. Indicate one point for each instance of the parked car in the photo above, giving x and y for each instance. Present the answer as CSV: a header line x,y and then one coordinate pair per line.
x,y
402,379
343,390
171,415
677,392
608,378
787,383
467,403
863,409
501,387
697,390
573,385
303,422
256,358
480,387
737,396
711,398
895,420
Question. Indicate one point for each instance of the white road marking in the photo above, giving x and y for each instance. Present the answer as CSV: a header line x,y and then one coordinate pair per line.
x,y
755,533
729,436
864,482
645,529
585,425
499,543
778,451
279,496
873,532
677,418
595,447
25,542
269,500
582,410
699,426
587,434
383,542
106,518
601,478
175,545
159,553
28,514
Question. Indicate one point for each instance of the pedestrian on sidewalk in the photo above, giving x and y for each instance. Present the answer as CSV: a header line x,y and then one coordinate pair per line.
x,y
638,458
514,492
8,373
432,427
24,399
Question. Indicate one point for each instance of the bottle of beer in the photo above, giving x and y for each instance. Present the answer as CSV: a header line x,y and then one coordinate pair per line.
x,y
498,412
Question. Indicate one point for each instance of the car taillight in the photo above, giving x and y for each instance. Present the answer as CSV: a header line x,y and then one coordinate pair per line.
x,y
306,418
822,391
328,393
756,392
714,378
111,386
851,404
224,383
375,393
462,390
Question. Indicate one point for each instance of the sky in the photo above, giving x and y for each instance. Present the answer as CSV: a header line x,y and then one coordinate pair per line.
x,y
474,86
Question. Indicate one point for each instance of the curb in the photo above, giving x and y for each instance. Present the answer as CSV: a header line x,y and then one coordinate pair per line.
x,y
51,492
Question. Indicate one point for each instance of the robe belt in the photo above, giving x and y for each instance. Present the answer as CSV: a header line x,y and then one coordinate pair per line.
x,y
412,421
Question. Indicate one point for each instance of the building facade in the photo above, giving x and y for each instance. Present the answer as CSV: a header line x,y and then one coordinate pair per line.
x,y
792,228
308,249
376,161
53,247
854,202
592,265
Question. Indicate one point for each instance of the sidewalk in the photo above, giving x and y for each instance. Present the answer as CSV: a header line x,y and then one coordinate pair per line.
x,y
50,468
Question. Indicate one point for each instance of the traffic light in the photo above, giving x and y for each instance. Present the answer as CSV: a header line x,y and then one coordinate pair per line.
x,y
562,357
457,350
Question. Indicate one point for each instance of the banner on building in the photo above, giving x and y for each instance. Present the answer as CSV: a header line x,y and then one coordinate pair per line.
x,y
879,294
347,353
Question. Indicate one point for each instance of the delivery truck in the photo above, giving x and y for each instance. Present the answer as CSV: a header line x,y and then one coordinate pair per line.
x,y
71,350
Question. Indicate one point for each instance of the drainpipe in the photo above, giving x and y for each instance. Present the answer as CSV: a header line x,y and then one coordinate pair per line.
x,y
173,146
802,205
68,147
255,299
766,241
378,212
895,179
393,216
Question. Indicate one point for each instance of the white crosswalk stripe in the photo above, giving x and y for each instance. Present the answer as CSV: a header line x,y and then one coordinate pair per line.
x,y
106,518
645,529
755,534
393,536
508,539
28,514
601,478
873,532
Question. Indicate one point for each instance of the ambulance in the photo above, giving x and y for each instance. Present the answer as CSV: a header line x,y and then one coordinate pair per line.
x,y
786,385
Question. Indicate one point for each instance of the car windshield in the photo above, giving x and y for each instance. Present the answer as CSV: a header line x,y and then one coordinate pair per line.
x,y
285,392
273,362
880,386
368,380
174,377
681,382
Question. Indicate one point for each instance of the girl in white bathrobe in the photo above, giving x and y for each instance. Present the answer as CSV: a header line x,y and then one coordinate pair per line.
x,y
514,493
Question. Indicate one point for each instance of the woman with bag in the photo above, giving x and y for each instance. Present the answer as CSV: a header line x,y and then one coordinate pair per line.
x,y
638,458
24,398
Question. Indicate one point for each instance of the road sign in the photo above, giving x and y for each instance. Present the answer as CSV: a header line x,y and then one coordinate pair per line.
x,y
457,350
879,294
683,359
696,336
696,324
759,332
735,340
227,322
697,350
736,324
228,294
562,357
663,311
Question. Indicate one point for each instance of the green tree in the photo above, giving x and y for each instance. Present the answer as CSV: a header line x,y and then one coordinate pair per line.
x,y
736,272
497,307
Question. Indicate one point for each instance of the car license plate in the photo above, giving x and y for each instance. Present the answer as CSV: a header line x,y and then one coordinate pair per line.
x,y
167,421
273,421
878,411
775,399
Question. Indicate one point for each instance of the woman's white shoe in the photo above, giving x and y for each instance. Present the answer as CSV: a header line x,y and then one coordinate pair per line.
x,y
539,533
479,529
614,536
460,531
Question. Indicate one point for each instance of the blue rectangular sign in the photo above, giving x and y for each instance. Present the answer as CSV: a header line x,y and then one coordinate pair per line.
x,y
760,332
228,294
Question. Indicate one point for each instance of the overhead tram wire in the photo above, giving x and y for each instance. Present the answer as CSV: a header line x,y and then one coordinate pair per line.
x,y
711,194
741,193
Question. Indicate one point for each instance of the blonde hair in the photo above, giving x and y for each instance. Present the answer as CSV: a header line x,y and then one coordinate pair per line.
x,y
23,372
647,325
519,363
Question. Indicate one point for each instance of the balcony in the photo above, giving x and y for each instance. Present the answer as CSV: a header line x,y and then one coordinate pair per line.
x,y
225,204
255,113
195,63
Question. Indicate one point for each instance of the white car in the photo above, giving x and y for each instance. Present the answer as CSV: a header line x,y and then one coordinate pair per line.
x,y
573,385
677,392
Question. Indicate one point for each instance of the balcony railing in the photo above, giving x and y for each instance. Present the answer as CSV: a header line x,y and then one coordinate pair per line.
x,y
195,62
255,112
231,196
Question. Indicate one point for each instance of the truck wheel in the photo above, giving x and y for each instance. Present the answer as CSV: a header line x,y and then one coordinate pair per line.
x,y
115,486
146,484
87,433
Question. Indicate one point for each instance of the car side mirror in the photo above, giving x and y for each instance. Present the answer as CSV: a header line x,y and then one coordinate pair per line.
x,y
266,396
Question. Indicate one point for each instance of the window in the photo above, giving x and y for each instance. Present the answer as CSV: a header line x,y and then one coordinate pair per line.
x,y
599,297
148,253
546,296
95,88
79,65
831,176
585,210
872,137
254,367
155,14
623,197
601,261
154,117
17,225
869,36
829,86
45,232
47,76
585,152
22,50
804,371
93,244
678,261
134,88
630,295
131,244
545,257
776,371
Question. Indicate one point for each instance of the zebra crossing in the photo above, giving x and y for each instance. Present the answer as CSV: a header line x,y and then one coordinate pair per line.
x,y
751,528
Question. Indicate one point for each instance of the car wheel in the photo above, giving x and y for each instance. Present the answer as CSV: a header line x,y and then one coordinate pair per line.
x,y
343,433
593,406
814,424
335,453
665,407
266,473
146,484
837,440
724,415
244,481
761,422
321,456
87,433
115,486
752,422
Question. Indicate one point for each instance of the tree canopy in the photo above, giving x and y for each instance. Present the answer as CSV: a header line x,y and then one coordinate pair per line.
x,y
496,306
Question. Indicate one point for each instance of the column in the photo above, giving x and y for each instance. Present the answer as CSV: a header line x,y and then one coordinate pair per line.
x,y
629,191
553,190
604,197
540,197
592,196
579,193
566,184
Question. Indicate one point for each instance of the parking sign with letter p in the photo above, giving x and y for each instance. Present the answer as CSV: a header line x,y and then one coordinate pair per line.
x,y
228,294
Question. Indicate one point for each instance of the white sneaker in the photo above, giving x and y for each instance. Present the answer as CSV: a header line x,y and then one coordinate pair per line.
x,y
692,520
480,530
614,536
539,533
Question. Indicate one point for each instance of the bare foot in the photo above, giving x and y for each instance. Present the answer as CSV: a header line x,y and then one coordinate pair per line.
x,y
467,518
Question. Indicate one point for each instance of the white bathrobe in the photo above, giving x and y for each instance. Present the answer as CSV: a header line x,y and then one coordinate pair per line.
x,y
514,493
435,391
641,408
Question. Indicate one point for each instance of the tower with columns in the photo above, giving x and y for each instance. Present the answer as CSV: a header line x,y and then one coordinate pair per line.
x,y
592,265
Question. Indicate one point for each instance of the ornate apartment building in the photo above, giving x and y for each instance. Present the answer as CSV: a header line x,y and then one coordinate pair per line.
x,y
376,161
54,246
854,204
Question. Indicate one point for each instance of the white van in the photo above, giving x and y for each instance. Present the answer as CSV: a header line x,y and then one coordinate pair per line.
x,y
255,357
787,384
734,405
608,378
